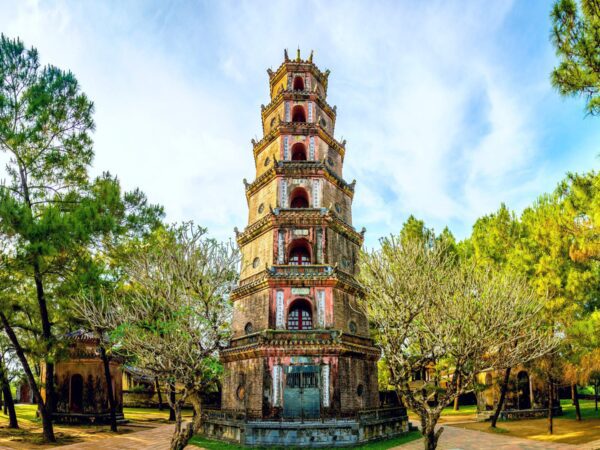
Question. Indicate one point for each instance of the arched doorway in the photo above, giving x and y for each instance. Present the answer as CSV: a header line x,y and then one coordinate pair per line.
x,y
523,396
298,114
299,152
76,404
299,198
300,315
299,253
298,83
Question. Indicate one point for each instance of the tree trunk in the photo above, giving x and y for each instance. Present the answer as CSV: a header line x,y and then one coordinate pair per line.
x,y
111,397
576,401
184,432
46,334
456,405
550,407
428,429
172,415
48,429
596,394
500,405
9,404
160,401
572,394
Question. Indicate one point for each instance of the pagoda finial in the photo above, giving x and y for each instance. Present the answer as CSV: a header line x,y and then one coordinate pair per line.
x,y
310,57
285,55
298,55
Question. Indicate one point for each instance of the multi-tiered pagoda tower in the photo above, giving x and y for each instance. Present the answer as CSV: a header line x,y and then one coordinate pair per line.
x,y
300,348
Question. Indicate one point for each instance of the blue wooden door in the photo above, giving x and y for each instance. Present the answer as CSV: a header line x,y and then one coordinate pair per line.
x,y
302,396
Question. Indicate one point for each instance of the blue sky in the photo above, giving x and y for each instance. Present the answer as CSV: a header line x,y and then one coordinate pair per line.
x,y
446,106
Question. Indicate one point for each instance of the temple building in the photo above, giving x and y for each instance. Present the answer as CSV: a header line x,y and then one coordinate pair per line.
x,y
300,349
81,393
526,395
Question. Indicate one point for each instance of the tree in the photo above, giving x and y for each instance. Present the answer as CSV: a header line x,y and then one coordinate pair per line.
x,y
576,38
49,207
44,127
436,315
173,314
9,405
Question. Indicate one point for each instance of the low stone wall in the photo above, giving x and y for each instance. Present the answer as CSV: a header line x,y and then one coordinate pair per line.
x,y
516,414
324,433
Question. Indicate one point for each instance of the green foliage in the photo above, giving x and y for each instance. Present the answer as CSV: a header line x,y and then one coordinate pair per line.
x,y
576,38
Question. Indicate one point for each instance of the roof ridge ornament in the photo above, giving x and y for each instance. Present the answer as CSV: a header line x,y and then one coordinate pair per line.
x,y
285,55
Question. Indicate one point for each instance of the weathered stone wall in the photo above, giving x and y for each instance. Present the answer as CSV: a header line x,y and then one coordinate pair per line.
x,y
257,254
243,386
254,310
345,312
341,251
353,373
338,201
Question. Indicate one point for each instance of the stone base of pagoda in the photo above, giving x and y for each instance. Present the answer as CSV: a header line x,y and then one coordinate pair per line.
x,y
368,425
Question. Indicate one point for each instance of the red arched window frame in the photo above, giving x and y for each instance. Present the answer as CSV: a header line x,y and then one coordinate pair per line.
x,y
299,152
299,253
299,198
298,114
300,316
298,83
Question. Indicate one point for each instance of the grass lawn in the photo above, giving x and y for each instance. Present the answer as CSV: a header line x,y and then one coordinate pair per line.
x,y
29,436
378,445
567,430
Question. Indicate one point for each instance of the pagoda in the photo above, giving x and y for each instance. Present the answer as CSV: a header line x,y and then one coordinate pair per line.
x,y
300,350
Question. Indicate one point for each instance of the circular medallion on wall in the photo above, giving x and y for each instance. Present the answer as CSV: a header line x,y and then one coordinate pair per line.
x,y
352,327
323,123
359,390
256,262
338,208
267,161
330,161
248,329
261,208
241,392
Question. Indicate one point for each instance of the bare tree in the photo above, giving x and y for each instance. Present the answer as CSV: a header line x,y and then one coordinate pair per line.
x,y
440,318
173,315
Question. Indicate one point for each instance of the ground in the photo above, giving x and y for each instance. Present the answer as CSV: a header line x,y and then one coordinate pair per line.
x,y
566,429
29,436
461,431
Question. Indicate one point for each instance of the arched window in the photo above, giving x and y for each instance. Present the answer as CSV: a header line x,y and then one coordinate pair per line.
x,y
76,404
299,152
299,253
300,316
298,84
298,114
299,198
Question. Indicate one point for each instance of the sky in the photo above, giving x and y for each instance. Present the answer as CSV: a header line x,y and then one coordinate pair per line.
x,y
446,106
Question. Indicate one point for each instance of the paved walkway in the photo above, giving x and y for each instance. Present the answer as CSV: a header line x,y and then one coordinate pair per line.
x,y
153,439
454,438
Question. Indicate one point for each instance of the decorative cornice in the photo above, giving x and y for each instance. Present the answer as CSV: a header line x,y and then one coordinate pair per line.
x,y
308,343
300,217
305,95
299,169
299,128
297,65
283,275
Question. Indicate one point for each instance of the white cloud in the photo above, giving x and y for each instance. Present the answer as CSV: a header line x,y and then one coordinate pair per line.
x,y
437,125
